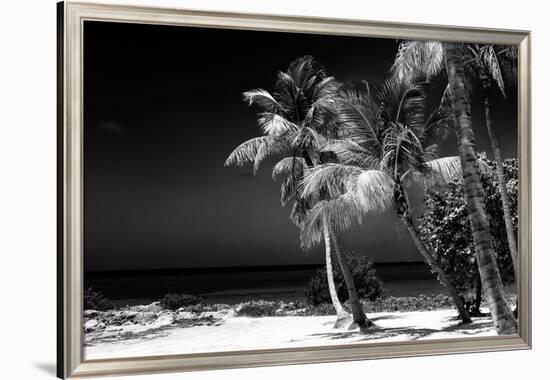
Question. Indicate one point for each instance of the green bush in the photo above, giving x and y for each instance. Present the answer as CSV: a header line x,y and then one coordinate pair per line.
x,y
445,228
174,301
96,301
387,304
318,310
409,303
257,308
367,283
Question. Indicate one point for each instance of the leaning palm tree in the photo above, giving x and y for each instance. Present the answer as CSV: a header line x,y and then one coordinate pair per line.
x,y
292,170
296,120
448,57
485,63
385,145
501,313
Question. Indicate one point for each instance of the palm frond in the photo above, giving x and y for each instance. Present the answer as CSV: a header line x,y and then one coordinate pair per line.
x,y
402,150
341,213
308,139
357,116
492,65
430,152
439,172
299,212
320,113
414,109
328,87
288,190
262,99
276,125
439,124
285,92
402,102
442,171
290,166
508,59
374,191
348,152
257,149
372,194
332,179
303,69
418,61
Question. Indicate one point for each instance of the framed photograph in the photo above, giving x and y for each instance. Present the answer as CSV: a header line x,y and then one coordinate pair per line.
x,y
240,190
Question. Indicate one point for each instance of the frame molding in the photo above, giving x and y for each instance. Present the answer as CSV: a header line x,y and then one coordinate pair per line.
x,y
71,17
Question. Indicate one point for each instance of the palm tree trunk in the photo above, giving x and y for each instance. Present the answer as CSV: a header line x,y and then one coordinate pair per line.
x,y
459,303
501,313
477,305
359,317
512,245
340,312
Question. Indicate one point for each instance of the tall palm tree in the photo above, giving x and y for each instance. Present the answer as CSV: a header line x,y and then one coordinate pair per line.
x,y
387,143
421,61
449,57
296,120
485,63
501,313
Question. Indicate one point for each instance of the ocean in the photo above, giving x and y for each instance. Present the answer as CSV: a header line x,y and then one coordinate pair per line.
x,y
234,285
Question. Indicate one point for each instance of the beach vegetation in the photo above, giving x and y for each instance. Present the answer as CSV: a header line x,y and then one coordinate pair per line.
x,y
174,301
95,300
367,283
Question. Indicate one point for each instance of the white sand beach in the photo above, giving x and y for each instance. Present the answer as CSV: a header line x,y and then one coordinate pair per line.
x,y
183,332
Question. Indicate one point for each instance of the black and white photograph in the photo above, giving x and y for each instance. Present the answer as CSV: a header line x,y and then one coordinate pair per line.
x,y
250,190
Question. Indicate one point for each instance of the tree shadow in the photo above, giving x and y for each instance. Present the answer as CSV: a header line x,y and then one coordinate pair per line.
x,y
375,333
382,317
412,333
469,328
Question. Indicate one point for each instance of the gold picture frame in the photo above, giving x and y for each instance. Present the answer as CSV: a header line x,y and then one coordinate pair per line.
x,y
71,17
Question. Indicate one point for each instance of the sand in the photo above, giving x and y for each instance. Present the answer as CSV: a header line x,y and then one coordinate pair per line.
x,y
230,333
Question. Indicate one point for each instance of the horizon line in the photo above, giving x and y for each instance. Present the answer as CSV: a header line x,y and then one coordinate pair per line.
x,y
243,268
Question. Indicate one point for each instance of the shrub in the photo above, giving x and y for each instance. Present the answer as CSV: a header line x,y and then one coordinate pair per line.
x,y
389,304
367,283
445,228
175,301
96,301
318,310
409,303
257,309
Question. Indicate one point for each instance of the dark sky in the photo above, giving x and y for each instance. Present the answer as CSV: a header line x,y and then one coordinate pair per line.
x,y
163,110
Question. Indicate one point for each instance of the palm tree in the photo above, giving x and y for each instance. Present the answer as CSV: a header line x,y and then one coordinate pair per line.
x,y
501,313
296,120
293,169
420,61
386,145
485,64
430,58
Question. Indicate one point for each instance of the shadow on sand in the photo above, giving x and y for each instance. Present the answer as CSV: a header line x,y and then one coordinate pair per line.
x,y
410,332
